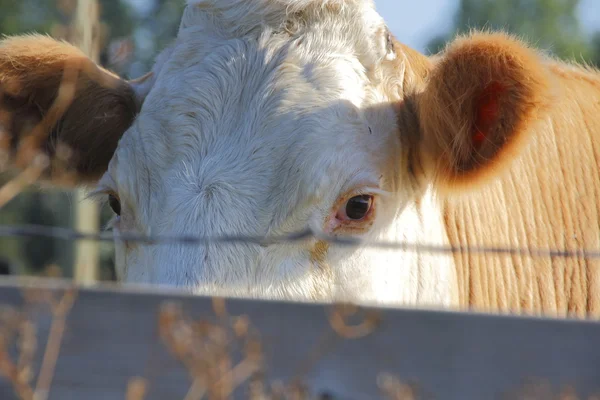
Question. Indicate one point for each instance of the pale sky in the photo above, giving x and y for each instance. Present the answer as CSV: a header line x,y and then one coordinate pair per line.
x,y
415,22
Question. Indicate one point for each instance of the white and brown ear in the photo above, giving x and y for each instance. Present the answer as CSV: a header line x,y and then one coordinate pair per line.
x,y
56,100
480,103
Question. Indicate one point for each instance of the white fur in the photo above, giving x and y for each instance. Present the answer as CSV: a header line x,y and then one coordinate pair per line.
x,y
260,115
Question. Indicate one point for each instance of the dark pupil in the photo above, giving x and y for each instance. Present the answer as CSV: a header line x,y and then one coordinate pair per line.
x,y
114,203
357,207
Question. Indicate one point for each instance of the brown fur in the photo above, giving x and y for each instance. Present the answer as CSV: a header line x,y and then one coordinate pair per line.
x,y
87,115
451,103
318,254
549,198
318,258
536,185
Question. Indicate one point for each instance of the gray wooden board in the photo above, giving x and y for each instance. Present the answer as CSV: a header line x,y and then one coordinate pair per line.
x,y
112,335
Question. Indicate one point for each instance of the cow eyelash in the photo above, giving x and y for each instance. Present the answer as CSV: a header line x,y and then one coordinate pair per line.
x,y
363,191
101,194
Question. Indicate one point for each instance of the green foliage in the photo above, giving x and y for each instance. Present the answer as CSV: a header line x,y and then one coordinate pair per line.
x,y
118,18
153,32
551,25
595,59
20,16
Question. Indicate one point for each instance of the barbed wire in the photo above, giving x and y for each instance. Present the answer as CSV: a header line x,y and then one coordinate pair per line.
x,y
109,236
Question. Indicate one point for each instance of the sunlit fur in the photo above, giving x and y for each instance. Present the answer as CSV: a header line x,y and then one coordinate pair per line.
x,y
251,129
263,113
549,198
536,188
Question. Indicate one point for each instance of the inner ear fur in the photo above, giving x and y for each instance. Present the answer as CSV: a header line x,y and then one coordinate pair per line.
x,y
478,107
56,100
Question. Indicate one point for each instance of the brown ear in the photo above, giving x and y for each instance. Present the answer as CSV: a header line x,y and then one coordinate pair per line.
x,y
477,109
55,100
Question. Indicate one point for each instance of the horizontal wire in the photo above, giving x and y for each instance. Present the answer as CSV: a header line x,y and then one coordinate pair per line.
x,y
70,234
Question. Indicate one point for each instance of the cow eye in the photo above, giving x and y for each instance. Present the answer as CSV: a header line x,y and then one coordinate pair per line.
x,y
356,208
114,204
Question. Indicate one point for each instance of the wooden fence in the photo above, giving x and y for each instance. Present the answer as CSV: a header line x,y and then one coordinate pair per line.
x,y
116,343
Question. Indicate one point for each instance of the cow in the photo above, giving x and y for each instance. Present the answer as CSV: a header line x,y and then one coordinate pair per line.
x,y
266,118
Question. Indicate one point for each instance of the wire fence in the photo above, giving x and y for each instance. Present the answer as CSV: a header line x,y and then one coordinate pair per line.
x,y
308,234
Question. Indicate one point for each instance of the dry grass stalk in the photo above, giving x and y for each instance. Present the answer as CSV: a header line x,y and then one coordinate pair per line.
x,y
136,388
19,331
205,349
60,310
12,322
541,389
340,313
28,147
26,178
393,389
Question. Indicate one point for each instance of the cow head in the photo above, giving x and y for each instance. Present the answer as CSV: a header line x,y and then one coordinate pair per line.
x,y
268,117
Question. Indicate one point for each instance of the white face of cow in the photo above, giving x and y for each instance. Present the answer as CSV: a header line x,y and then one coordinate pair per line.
x,y
271,117
260,125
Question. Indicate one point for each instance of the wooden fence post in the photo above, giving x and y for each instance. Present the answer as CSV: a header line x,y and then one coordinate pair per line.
x,y
86,35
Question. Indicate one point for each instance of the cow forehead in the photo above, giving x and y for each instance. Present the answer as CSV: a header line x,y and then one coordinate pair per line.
x,y
253,111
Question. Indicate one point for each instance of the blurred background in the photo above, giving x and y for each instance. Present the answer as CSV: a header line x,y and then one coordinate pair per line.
x,y
130,33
